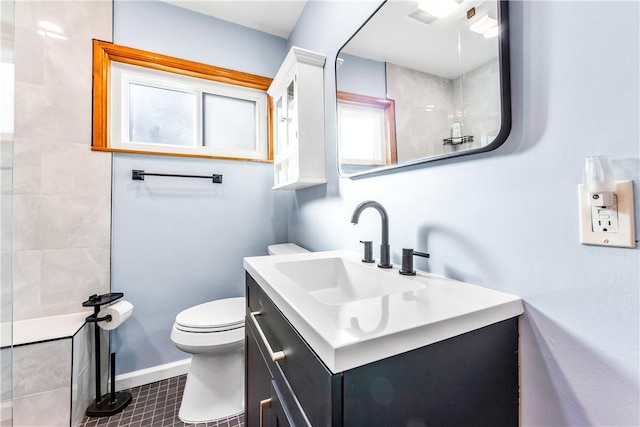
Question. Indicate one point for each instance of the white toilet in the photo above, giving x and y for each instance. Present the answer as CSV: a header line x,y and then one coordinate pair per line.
x,y
213,333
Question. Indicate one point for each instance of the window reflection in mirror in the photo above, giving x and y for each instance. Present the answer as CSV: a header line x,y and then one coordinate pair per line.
x,y
446,74
367,136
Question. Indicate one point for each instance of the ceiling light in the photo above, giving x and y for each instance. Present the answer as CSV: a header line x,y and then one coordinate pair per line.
x,y
438,8
422,16
491,32
484,25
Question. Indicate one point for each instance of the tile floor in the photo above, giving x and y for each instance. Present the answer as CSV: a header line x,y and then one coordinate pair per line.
x,y
156,405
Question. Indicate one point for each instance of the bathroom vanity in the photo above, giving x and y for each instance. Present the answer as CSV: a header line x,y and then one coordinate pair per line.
x,y
418,353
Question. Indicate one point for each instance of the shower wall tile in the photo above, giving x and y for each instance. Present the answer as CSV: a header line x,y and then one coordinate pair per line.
x,y
69,168
48,409
53,113
82,394
72,169
6,371
35,112
74,222
83,375
26,211
29,56
60,373
62,202
88,267
26,161
83,388
41,367
82,349
76,20
26,280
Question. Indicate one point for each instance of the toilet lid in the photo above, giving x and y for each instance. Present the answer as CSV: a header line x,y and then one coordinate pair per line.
x,y
214,316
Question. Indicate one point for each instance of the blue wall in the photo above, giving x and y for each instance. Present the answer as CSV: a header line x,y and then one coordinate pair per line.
x,y
180,242
362,76
164,28
508,219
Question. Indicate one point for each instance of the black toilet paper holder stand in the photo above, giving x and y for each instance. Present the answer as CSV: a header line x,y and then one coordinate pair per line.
x,y
110,403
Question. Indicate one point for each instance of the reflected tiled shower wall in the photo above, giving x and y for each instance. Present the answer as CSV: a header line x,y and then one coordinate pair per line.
x,y
62,190
421,115
427,113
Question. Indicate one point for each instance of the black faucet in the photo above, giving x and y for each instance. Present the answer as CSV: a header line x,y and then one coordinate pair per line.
x,y
368,252
407,261
385,249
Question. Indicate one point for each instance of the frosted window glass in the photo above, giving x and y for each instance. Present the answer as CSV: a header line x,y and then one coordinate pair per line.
x,y
161,116
361,134
229,122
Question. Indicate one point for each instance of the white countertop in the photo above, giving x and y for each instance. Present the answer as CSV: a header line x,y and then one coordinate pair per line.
x,y
353,334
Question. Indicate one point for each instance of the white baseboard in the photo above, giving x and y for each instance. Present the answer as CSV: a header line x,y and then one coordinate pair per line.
x,y
153,374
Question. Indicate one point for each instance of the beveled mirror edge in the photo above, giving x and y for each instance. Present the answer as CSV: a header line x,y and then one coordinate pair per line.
x,y
505,98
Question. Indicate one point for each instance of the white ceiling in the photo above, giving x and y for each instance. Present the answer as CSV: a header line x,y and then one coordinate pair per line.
x,y
277,17
444,48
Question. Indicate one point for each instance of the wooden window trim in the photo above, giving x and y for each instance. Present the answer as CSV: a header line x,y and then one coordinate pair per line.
x,y
389,107
104,53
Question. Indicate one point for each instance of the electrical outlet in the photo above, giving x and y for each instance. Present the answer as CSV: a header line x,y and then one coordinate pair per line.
x,y
612,225
605,219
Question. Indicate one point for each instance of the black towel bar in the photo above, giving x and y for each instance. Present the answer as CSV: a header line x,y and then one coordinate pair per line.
x,y
140,174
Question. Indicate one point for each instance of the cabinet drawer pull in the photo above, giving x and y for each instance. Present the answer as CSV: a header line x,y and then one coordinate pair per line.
x,y
264,404
275,356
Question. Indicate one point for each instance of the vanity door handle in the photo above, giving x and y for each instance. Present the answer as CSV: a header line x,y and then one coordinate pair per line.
x,y
275,356
264,404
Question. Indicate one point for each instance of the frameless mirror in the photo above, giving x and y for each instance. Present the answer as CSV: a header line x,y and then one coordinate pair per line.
x,y
422,81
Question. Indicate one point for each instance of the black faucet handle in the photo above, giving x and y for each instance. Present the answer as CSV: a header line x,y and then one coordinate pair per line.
x,y
422,254
368,251
407,261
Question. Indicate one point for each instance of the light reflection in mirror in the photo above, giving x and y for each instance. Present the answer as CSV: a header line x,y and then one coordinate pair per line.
x,y
447,79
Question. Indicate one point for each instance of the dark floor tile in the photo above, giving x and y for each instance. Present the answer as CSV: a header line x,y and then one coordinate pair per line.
x,y
156,405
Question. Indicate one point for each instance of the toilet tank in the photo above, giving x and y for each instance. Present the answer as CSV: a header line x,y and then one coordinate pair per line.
x,y
285,249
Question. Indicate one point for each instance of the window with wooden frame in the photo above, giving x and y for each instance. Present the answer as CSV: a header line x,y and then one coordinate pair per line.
x,y
367,133
149,103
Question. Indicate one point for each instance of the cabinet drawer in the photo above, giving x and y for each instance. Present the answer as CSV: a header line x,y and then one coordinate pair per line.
x,y
257,380
315,388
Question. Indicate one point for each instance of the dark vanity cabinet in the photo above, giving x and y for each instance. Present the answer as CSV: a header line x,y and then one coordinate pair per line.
x,y
467,380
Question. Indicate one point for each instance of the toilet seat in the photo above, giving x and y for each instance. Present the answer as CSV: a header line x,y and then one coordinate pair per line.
x,y
215,316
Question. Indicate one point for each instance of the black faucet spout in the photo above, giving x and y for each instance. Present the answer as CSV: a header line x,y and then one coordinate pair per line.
x,y
384,245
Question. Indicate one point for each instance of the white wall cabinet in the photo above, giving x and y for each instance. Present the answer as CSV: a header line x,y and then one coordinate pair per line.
x,y
298,121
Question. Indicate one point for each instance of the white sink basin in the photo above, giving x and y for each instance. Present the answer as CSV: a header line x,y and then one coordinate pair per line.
x,y
351,313
340,280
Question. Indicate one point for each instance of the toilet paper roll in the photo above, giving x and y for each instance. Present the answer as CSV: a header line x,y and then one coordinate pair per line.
x,y
119,312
